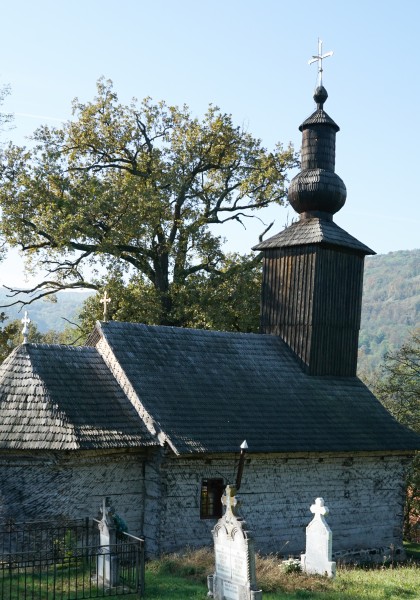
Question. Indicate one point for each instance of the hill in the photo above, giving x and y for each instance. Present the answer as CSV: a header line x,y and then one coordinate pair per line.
x,y
391,304
45,313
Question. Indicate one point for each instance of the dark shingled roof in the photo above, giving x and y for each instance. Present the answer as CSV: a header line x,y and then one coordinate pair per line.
x,y
208,391
319,117
64,398
314,231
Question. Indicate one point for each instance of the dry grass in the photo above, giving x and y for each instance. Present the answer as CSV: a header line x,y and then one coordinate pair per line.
x,y
197,564
192,564
272,577
350,584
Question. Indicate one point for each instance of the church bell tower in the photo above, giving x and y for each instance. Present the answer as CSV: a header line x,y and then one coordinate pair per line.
x,y
313,270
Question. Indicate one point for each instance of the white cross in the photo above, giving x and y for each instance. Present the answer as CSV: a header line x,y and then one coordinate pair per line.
x,y
319,509
319,58
105,301
26,320
230,501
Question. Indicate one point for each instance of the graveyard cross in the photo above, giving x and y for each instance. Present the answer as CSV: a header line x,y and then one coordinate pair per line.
x,y
318,554
319,509
26,320
107,560
105,301
319,58
230,501
234,577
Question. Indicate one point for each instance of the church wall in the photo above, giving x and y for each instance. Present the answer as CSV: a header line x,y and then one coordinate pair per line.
x,y
365,496
45,485
159,497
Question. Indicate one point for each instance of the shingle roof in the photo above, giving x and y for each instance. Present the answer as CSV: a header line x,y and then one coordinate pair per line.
x,y
208,391
314,231
63,398
319,117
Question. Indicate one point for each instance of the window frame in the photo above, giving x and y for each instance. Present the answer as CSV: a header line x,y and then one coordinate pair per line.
x,y
211,492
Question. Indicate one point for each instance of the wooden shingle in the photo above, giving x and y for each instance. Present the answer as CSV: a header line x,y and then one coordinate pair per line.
x,y
55,397
314,231
208,391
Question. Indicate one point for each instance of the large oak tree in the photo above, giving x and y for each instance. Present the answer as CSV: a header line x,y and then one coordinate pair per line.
x,y
138,192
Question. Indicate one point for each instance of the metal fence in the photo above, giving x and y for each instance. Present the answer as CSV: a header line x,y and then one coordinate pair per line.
x,y
45,561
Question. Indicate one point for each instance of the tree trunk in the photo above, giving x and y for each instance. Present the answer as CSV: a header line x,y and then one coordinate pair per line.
x,y
161,267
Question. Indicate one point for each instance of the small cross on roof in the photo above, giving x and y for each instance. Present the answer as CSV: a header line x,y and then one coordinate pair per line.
x,y
105,300
25,320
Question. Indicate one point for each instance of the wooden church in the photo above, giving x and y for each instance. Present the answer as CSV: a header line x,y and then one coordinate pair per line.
x,y
153,417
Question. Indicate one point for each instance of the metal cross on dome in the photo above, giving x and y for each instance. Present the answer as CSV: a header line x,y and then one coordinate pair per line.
x,y
105,301
319,58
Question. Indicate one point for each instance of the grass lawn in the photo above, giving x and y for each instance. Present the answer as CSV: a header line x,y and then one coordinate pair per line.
x,y
184,577
390,584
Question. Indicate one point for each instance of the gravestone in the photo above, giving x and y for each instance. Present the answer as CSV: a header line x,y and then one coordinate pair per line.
x,y
317,559
234,577
107,561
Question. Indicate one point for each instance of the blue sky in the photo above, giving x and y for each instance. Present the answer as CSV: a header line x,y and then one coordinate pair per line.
x,y
251,59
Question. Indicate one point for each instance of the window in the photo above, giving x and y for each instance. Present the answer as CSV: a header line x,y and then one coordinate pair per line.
x,y
211,498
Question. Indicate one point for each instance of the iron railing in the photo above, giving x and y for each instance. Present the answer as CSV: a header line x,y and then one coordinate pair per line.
x,y
41,561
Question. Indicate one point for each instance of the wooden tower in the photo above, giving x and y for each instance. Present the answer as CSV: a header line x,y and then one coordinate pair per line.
x,y
313,270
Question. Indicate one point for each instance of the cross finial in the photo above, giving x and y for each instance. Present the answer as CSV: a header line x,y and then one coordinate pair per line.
x,y
26,320
230,501
105,301
319,58
319,509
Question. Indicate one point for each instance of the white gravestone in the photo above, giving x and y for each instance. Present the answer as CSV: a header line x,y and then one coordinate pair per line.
x,y
317,558
234,577
107,561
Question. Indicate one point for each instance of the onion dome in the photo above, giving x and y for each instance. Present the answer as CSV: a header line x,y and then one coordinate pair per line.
x,y
317,191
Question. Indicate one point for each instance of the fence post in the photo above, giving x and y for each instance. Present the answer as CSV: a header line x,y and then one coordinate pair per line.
x,y
142,569
88,540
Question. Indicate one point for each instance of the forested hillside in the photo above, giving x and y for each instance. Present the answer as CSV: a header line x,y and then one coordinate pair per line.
x,y
391,306
47,314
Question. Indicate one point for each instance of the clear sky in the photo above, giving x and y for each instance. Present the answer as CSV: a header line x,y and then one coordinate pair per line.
x,y
251,59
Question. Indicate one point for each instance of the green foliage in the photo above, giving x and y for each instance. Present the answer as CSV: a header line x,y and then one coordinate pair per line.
x,y
291,565
413,550
11,336
8,333
391,306
226,300
64,547
120,525
138,192
399,391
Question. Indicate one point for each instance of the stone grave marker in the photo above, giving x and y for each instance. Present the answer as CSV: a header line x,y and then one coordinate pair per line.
x,y
317,558
234,577
107,561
